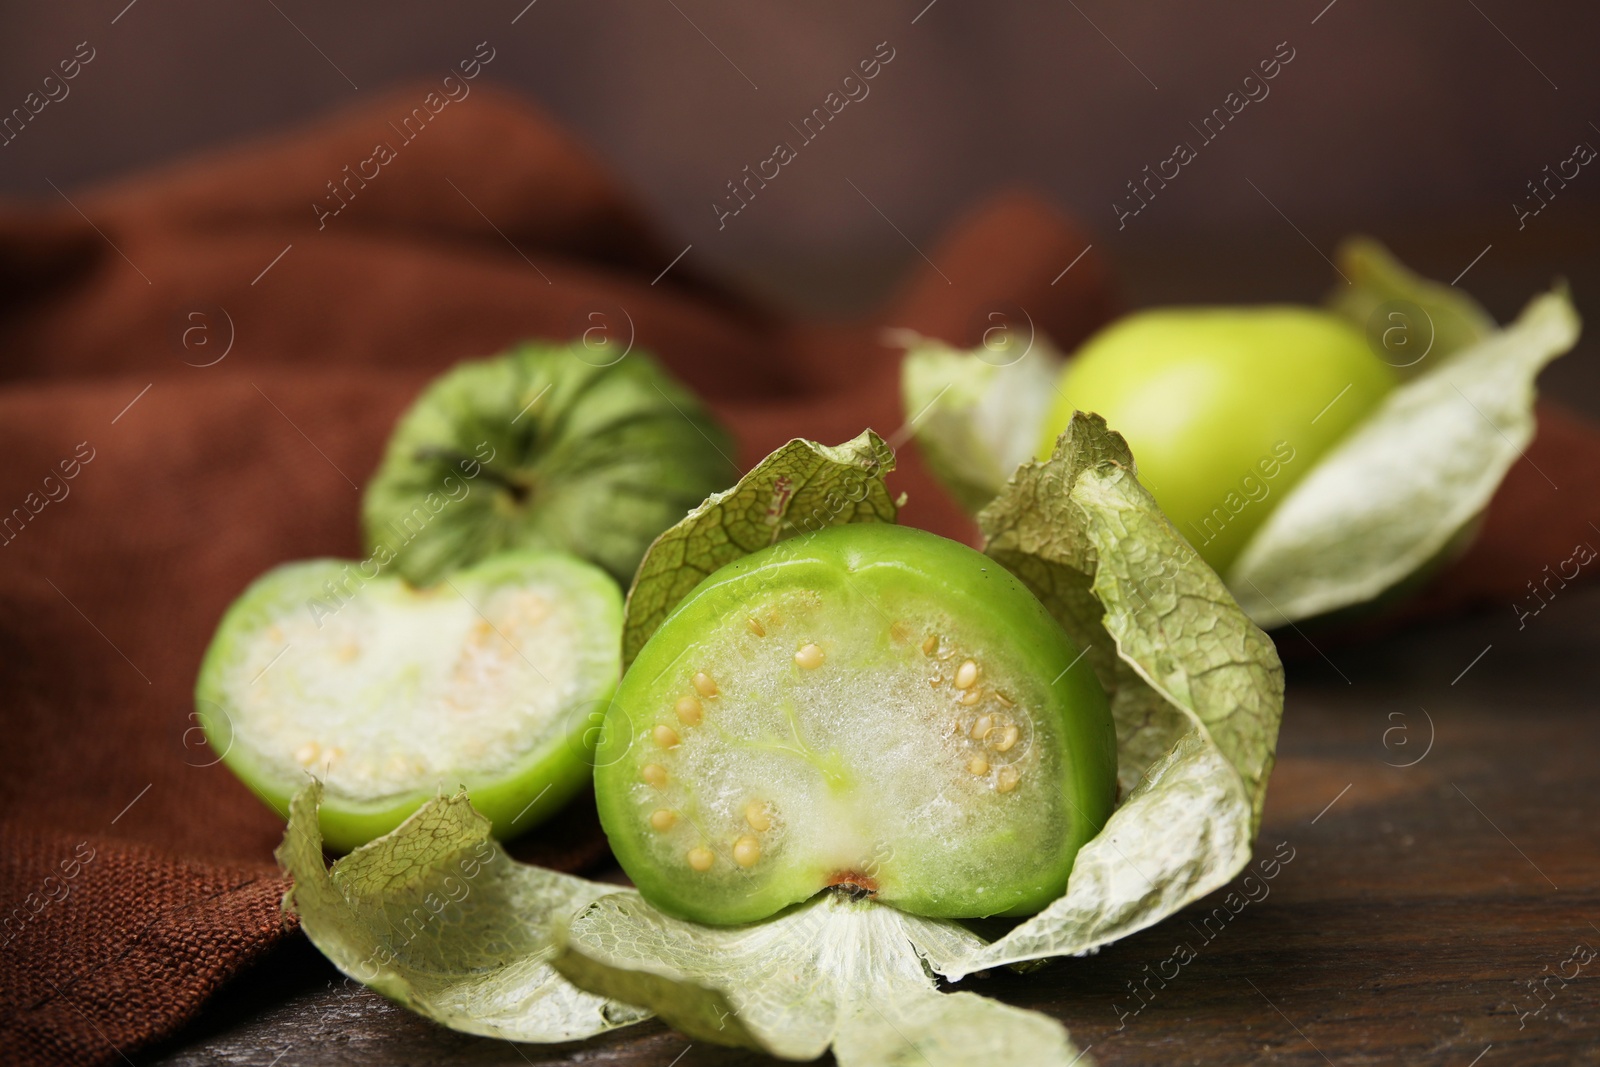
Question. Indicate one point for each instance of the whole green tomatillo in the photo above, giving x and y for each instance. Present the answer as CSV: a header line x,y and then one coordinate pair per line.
x,y
541,448
1225,409
867,706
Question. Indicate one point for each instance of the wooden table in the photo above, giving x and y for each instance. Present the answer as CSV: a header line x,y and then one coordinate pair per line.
x,y
1421,906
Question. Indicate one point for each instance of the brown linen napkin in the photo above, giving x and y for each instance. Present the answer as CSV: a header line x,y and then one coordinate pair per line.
x,y
198,377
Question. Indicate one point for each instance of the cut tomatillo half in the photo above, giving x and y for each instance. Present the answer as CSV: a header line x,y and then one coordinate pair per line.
x,y
867,706
388,694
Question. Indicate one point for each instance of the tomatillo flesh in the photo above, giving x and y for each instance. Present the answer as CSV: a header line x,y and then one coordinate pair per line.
x,y
867,706
390,694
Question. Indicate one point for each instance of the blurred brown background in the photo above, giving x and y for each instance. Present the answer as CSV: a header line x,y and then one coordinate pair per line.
x,y
1392,118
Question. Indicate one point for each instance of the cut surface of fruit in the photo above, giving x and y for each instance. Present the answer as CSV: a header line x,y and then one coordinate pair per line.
x,y
538,448
390,694
867,706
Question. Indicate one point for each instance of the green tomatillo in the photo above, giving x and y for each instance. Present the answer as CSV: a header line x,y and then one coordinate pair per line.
x,y
1225,409
490,681
540,448
866,706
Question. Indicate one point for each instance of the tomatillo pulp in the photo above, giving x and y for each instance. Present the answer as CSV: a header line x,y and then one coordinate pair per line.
x,y
868,706
390,694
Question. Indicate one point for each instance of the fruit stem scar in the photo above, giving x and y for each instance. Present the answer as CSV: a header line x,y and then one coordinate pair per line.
x,y
519,490
855,882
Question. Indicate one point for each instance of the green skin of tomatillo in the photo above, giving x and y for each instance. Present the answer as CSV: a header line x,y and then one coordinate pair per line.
x,y
868,706
1225,409
391,694
537,448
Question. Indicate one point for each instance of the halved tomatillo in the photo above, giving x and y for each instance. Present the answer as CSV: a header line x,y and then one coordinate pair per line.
x,y
389,693
869,706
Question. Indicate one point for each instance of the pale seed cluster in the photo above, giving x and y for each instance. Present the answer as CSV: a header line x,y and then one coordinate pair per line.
x,y
690,711
992,730
987,734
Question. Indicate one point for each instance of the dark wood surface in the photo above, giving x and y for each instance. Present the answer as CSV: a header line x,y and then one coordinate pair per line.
x,y
1421,903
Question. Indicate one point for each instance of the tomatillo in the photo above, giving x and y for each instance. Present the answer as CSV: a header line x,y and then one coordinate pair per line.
x,y
1225,409
868,706
540,448
390,694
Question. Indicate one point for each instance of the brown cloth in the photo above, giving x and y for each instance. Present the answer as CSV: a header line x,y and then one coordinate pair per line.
x,y
199,373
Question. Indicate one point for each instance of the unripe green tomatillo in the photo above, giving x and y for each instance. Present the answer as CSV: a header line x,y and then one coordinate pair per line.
x,y
1225,409
539,448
